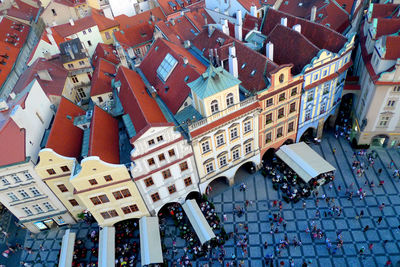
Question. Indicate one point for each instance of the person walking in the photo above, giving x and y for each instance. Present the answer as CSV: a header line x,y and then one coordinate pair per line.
x,y
379,171
370,247
366,228
334,151
379,219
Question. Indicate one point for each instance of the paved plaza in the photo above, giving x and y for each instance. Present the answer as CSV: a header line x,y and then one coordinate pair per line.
x,y
260,191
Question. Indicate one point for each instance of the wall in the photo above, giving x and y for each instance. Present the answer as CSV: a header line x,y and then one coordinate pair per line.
x,y
94,37
123,7
43,48
110,32
63,14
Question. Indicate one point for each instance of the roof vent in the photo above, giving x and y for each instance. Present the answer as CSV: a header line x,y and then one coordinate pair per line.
x,y
3,105
89,114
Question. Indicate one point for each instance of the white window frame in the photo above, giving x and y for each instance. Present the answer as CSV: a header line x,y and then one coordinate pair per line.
x,y
48,206
205,146
12,196
23,194
28,175
214,107
28,212
209,167
234,133
4,180
34,191
247,148
230,100
16,178
220,139
247,126
235,154
38,208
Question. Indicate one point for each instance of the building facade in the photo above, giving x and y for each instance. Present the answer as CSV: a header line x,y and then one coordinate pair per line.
x,y
60,12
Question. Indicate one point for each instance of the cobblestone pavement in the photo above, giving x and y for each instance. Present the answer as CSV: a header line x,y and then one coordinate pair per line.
x,y
260,191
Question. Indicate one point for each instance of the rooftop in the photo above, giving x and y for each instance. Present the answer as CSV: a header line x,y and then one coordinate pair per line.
x,y
103,74
169,7
103,22
65,30
72,50
105,51
24,10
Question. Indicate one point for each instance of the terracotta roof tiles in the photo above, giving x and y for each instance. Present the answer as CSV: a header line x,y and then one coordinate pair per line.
x,y
383,10
102,76
144,17
102,22
12,143
387,26
105,51
169,7
65,30
392,47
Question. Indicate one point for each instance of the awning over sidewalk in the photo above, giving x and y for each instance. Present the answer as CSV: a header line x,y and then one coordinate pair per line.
x,y
198,221
304,160
107,247
150,241
67,249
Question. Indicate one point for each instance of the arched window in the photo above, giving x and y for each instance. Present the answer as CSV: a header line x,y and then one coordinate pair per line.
x,y
229,100
214,106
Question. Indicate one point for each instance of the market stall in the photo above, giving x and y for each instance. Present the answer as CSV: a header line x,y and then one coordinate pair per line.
x,y
150,241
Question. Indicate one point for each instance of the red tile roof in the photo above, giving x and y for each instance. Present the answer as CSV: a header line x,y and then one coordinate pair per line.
x,y
291,47
65,30
12,143
248,59
71,3
127,22
250,23
387,26
104,136
179,30
104,51
300,8
136,36
248,3
392,47
196,17
102,22
168,10
321,36
141,107
347,5
101,81
65,138
178,90
56,71
23,10
334,17
383,10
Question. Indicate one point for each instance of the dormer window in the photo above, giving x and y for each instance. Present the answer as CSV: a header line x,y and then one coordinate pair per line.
x,y
229,100
214,106
281,78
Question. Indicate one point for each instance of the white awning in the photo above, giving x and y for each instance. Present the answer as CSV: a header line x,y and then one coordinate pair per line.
x,y
67,249
198,221
304,160
107,247
150,241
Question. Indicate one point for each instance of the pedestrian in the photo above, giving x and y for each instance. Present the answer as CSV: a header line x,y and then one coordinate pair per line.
x,y
274,203
304,204
370,247
379,171
381,183
304,264
339,188
379,219
284,225
265,244
366,228
225,217
330,186
384,242
381,206
334,151
388,263
362,249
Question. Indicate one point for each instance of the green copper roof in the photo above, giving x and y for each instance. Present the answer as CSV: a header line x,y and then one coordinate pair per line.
x,y
213,81
129,125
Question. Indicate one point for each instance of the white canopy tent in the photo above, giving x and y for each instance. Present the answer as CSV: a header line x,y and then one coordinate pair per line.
x,y
150,241
67,249
304,160
107,247
198,221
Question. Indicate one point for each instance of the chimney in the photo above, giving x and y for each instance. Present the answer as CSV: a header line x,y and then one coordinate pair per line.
x,y
47,55
284,22
48,30
238,26
185,60
51,39
313,13
233,62
224,26
216,57
297,28
253,11
71,21
69,51
172,22
44,75
205,20
187,44
269,50
152,17
12,95
3,105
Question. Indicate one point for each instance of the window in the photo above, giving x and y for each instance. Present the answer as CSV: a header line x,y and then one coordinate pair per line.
x,y
282,97
4,181
73,202
12,196
279,132
151,162
155,197
81,62
384,121
89,30
247,126
54,12
171,189
166,67
310,96
234,133
290,127
315,77
51,171
70,65
220,140
229,100
65,168
247,148
268,137
308,115
117,195
183,166
326,88
81,93
37,208
92,182
34,191
160,138
396,89
16,178
222,161
324,73
23,193
148,182
74,79
187,181
270,102
292,107
89,43
214,106
84,32
100,99
109,214
268,118
322,109
108,36
166,174
105,215
151,142
161,157
130,209
205,146
391,103
209,167
99,199
27,211
293,92
281,78
62,188
171,153
126,193
281,113
235,154
108,178
48,206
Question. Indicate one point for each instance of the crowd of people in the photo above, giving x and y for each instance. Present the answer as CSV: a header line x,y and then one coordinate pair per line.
x,y
84,257
126,247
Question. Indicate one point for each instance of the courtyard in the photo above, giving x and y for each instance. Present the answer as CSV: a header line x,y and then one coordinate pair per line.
x,y
256,217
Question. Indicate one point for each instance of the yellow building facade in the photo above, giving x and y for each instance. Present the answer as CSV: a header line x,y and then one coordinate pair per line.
x,y
107,191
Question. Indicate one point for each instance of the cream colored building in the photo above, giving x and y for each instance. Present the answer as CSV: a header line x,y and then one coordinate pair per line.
x,y
227,136
57,12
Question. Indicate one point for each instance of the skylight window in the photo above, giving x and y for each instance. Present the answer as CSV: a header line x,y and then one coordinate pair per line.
x,y
253,72
244,65
166,67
